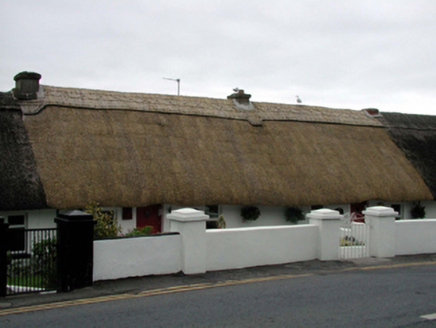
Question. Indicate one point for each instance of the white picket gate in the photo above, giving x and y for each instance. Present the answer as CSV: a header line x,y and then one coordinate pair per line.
x,y
354,239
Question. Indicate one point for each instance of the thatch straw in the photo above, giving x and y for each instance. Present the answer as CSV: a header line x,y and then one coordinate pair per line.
x,y
153,149
195,106
416,136
20,185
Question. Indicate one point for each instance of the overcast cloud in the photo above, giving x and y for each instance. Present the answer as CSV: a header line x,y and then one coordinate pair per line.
x,y
342,54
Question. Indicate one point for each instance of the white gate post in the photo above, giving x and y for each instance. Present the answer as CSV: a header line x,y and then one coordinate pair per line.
x,y
191,224
381,221
329,223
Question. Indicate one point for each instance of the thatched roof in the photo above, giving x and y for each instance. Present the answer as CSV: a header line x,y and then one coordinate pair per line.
x,y
20,186
416,136
192,106
127,149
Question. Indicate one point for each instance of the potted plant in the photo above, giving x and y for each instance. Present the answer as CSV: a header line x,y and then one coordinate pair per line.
x,y
250,213
294,214
221,222
418,211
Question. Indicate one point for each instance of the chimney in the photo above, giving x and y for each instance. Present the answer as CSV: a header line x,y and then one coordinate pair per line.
x,y
372,112
26,85
241,100
241,97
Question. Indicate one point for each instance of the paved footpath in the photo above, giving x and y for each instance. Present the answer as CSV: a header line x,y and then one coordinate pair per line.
x,y
103,291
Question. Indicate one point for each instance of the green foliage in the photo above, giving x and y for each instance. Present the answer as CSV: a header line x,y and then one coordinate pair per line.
x,y
106,223
44,249
250,213
294,214
45,254
418,211
350,241
147,230
35,280
221,222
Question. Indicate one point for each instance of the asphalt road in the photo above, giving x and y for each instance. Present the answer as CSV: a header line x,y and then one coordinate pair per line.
x,y
367,297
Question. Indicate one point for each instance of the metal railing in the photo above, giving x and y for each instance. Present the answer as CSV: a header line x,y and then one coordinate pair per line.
x,y
31,260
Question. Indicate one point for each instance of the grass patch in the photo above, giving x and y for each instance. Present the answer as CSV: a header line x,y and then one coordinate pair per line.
x,y
34,281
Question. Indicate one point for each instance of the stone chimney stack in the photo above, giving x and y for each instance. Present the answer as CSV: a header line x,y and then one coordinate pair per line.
x,y
241,97
26,85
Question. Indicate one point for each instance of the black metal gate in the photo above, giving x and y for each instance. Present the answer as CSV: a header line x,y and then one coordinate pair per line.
x,y
31,260
58,259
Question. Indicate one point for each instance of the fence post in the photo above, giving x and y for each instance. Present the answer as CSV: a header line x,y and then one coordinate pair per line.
x,y
381,221
191,224
3,256
328,222
75,250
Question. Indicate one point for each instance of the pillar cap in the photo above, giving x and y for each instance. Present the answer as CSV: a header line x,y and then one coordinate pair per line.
x,y
75,215
380,211
325,214
187,215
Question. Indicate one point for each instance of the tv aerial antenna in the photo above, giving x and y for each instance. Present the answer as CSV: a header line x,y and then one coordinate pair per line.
x,y
178,83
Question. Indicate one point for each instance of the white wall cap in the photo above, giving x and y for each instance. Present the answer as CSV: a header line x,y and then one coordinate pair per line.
x,y
380,211
187,211
325,214
187,214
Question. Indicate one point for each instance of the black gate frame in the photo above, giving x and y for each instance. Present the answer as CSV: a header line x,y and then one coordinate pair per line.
x,y
73,251
29,260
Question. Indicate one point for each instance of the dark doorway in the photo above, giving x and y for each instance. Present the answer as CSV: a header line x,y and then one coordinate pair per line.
x,y
358,208
149,216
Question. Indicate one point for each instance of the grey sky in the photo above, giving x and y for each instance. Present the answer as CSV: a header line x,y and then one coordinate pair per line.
x,y
342,54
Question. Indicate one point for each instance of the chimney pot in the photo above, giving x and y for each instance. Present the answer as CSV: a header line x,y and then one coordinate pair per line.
x,y
372,112
26,85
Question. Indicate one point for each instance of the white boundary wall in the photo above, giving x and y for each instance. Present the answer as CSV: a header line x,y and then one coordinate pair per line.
x,y
137,256
193,249
246,247
415,237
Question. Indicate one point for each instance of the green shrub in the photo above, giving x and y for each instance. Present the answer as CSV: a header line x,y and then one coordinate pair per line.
x,y
294,214
106,223
44,256
250,213
221,222
418,211
147,230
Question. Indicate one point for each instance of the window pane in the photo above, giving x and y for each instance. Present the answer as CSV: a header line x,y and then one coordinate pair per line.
x,y
127,213
212,211
16,220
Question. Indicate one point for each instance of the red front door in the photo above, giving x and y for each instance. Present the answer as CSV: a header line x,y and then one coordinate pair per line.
x,y
358,208
149,216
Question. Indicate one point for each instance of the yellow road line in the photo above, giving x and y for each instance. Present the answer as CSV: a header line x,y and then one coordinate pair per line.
x,y
389,266
153,292
184,288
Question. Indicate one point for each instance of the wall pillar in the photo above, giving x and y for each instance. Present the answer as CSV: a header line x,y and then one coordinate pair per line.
x,y
191,224
3,256
381,221
328,222
75,250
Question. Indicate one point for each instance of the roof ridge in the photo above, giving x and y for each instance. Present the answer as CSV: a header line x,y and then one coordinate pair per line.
x,y
188,105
